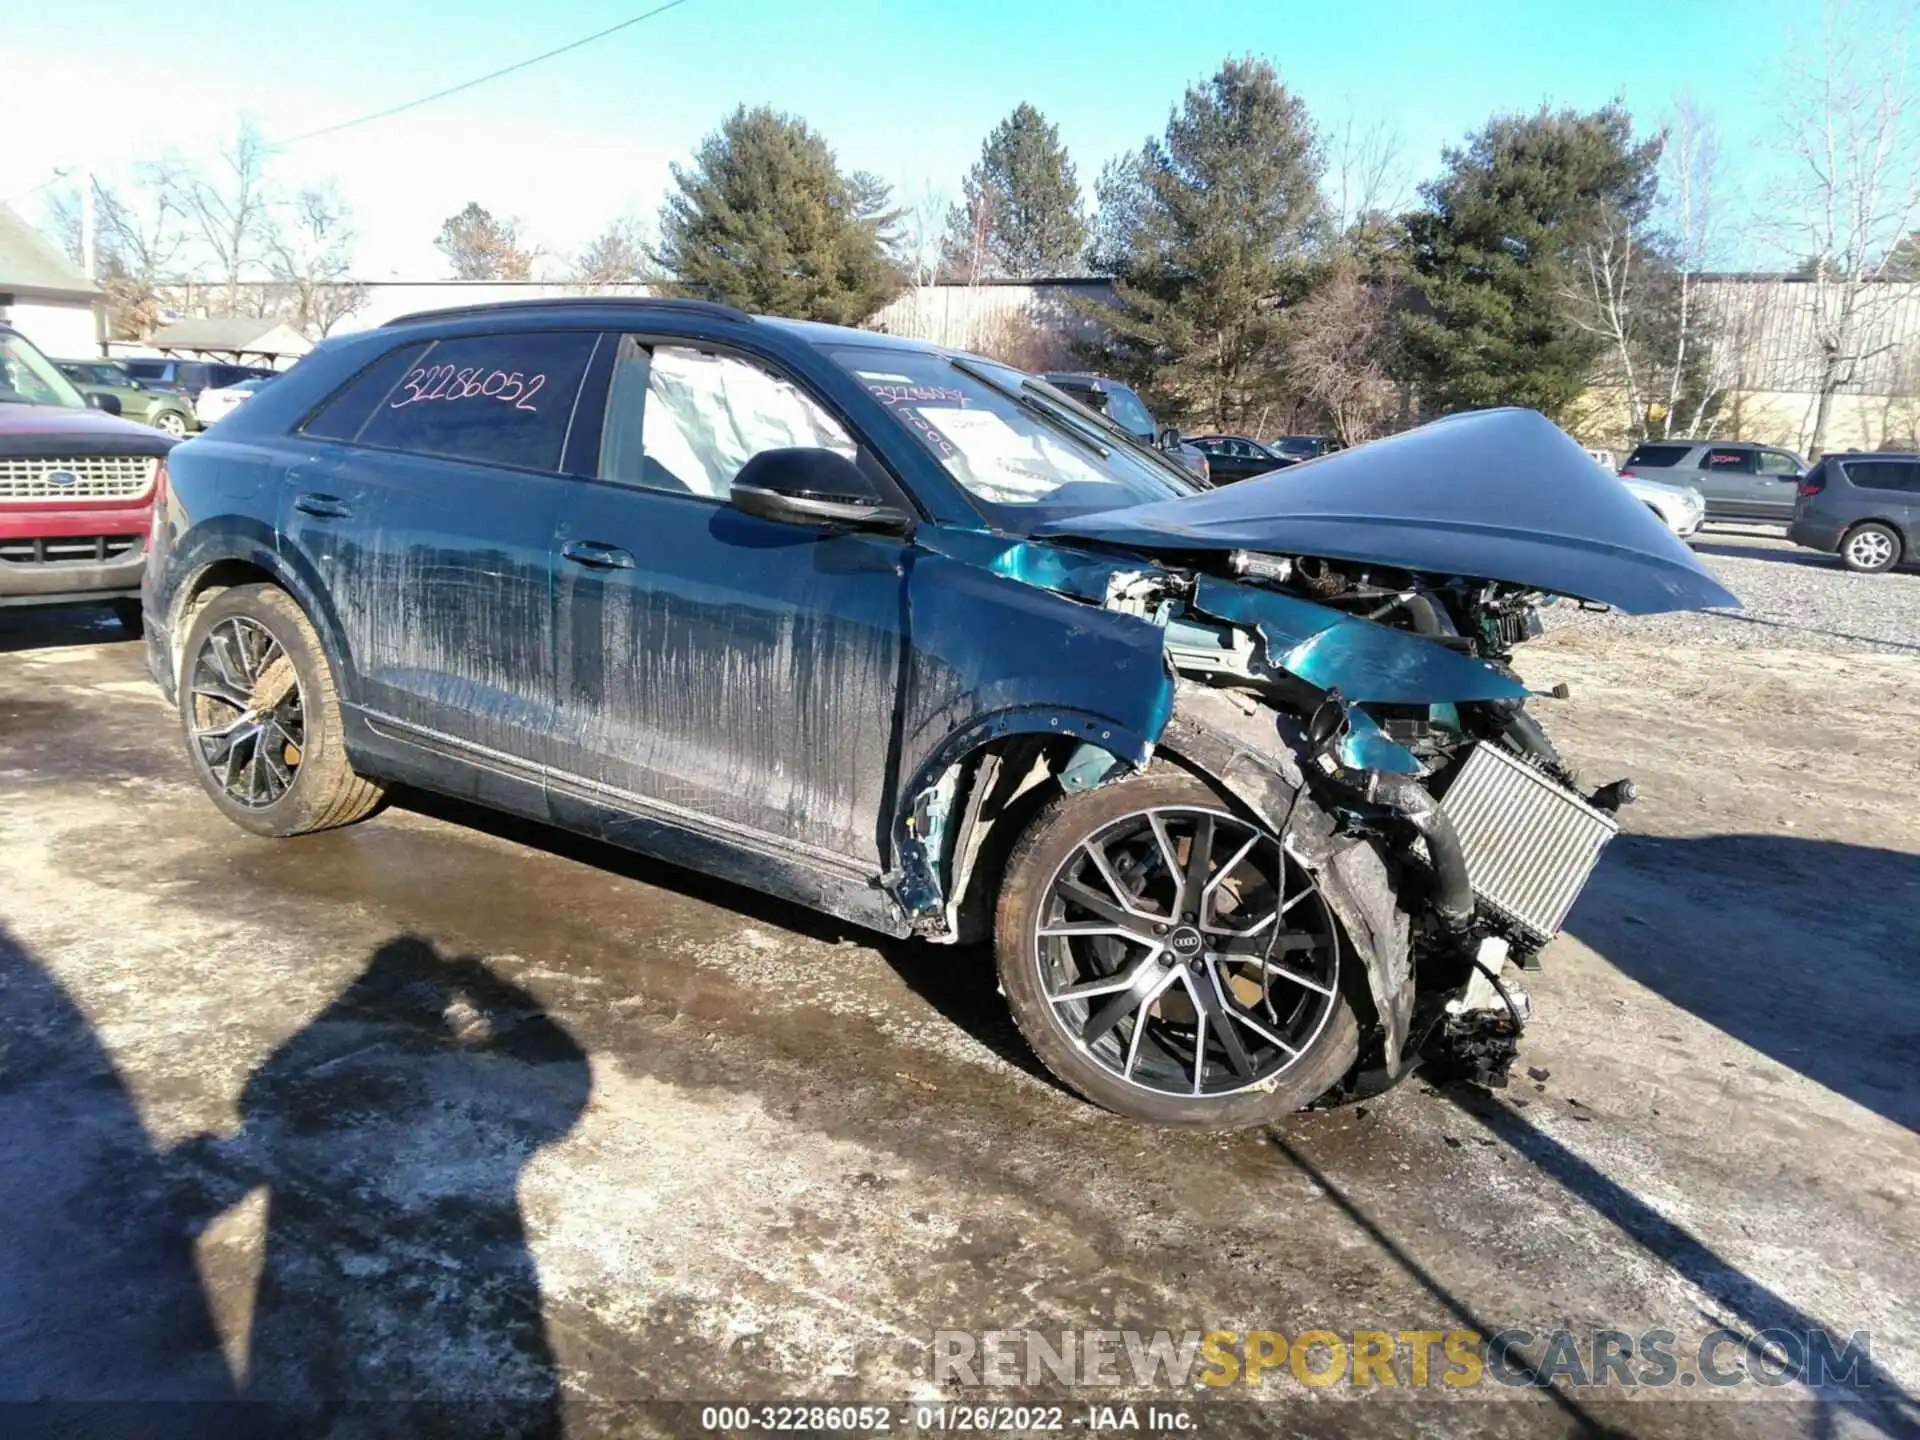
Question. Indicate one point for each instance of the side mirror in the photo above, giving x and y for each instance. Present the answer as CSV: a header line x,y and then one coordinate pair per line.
x,y
100,400
805,486
1168,438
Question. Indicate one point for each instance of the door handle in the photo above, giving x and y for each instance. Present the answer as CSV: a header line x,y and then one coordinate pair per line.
x,y
596,556
327,507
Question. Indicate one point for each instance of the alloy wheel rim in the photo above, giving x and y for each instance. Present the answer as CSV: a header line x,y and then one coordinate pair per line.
x,y
1187,953
173,425
1870,548
247,712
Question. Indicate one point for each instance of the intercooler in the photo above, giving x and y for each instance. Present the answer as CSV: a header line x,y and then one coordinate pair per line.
x,y
1530,843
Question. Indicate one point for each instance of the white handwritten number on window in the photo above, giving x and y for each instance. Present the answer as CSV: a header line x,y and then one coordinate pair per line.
x,y
474,382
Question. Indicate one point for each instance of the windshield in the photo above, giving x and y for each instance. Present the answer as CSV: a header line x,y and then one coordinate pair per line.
x,y
28,378
1023,451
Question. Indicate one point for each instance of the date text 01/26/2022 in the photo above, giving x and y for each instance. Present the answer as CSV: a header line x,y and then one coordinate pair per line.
x,y
962,1419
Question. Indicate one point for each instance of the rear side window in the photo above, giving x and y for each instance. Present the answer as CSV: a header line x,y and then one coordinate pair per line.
x,y
1740,460
492,399
1658,457
1901,475
350,407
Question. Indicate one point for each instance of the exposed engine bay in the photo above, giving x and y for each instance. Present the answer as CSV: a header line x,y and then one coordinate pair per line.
x,y
1387,696
1337,643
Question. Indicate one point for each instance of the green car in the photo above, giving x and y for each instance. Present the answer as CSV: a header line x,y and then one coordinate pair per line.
x,y
161,408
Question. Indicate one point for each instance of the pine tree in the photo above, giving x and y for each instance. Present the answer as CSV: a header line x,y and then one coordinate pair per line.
x,y
1022,218
1492,249
1210,231
765,219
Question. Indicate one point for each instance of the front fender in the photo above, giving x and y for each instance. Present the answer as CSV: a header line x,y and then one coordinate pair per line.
x,y
990,656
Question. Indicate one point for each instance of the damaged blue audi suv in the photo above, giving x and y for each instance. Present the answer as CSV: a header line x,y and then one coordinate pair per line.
x,y
1238,783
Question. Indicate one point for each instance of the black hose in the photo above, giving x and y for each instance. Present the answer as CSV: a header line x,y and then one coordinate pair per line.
x,y
1519,1025
1407,798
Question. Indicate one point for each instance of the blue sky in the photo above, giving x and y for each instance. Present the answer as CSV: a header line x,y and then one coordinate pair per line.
x,y
904,90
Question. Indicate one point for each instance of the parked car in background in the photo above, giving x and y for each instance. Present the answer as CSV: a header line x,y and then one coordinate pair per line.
x,y
1239,782
1865,508
1603,458
1306,447
1235,457
76,489
190,377
1122,404
1739,481
215,404
161,408
1680,507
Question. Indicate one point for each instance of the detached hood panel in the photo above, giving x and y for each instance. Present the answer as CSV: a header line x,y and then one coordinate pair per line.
x,y
1495,494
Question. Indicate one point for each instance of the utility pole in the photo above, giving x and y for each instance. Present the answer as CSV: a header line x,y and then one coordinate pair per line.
x,y
86,223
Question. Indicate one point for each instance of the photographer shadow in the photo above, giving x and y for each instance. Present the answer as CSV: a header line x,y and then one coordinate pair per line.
x,y
398,1294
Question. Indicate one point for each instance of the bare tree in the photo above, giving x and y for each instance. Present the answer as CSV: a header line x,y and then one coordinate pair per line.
x,y
1340,352
1689,167
1603,295
1851,131
309,253
141,232
923,221
622,254
1367,172
230,209
479,247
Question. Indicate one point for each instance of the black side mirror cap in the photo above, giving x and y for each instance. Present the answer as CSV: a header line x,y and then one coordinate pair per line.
x,y
100,400
806,485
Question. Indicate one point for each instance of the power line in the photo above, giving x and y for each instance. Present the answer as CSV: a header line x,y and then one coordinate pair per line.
x,y
477,80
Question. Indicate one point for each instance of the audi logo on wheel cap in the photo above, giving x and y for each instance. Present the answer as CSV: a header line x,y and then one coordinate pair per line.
x,y
1184,942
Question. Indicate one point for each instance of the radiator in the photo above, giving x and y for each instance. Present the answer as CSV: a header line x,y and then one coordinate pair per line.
x,y
1530,843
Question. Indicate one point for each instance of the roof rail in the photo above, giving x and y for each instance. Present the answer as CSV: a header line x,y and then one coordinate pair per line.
x,y
712,309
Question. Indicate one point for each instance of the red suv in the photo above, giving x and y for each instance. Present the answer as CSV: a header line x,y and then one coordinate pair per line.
x,y
76,489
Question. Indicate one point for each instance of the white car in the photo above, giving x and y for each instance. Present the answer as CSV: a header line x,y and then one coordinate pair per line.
x,y
1680,507
215,405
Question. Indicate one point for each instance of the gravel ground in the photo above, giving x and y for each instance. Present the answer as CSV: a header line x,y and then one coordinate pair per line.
x,y
1791,598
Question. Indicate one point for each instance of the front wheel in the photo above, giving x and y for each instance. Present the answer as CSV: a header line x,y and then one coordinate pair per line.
x,y
1168,959
172,422
262,718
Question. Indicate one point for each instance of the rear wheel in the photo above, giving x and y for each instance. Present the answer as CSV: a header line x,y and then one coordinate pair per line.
x,y
1167,959
263,720
172,422
1870,548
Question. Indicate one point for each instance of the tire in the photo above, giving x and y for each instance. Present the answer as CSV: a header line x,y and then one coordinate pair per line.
x,y
1050,865
171,422
284,771
1870,549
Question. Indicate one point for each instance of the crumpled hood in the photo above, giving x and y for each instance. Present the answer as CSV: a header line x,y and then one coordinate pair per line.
x,y
1495,494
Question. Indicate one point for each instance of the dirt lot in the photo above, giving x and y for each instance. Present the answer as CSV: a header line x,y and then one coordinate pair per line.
x,y
444,1106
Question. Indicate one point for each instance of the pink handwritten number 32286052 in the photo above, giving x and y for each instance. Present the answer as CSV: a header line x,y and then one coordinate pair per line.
x,y
473,382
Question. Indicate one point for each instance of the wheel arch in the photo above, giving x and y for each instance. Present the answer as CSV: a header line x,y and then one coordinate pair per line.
x,y
233,557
